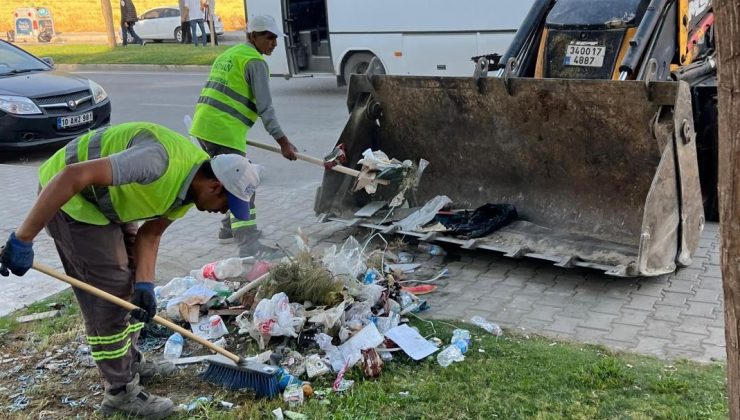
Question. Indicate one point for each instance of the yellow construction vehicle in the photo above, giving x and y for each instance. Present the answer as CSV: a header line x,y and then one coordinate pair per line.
x,y
599,124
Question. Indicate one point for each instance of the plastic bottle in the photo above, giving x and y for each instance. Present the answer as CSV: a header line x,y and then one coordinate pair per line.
x,y
220,270
452,353
488,326
173,347
432,249
460,334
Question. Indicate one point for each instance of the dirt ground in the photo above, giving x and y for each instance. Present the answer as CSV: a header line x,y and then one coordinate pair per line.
x,y
56,378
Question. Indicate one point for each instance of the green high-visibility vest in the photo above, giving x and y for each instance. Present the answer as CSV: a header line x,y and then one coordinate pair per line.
x,y
101,205
226,108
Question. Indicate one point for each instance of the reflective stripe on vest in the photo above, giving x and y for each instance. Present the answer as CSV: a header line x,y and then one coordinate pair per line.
x,y
132,201
226,107
99,195
231,93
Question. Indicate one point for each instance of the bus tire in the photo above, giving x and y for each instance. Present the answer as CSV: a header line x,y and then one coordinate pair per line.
x,y
356,63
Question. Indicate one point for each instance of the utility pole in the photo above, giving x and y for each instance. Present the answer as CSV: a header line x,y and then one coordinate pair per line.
x,y
108,19
727,28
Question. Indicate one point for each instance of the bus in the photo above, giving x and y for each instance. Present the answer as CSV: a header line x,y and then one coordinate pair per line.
x,y
409,37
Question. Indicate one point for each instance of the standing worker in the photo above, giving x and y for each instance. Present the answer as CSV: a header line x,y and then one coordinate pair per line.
x,y
185,35
94,189
236,94
128,20
197,17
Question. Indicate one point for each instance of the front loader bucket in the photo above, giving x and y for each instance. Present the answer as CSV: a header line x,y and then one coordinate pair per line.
x,y
603,174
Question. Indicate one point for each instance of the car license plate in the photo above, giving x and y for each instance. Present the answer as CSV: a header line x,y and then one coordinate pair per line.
x,y
585,54
74,120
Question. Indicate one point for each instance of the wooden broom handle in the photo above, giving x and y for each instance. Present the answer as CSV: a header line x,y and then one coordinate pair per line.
x,y
315,161
130,306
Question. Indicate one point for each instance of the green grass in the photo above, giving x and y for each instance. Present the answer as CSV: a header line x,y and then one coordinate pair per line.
x,y
513,377
159,54
45,327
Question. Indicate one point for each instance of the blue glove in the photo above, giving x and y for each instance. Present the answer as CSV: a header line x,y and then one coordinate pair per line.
x,y
145,300
16,256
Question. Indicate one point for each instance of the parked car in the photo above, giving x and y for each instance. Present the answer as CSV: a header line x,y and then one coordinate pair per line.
x,y
163,23
40,105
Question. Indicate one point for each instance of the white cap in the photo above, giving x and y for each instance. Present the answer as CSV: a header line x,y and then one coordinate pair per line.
x,y
240,180
261,23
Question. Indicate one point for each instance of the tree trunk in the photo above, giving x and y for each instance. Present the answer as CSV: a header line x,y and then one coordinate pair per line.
x,y
212,22
727,29
108,19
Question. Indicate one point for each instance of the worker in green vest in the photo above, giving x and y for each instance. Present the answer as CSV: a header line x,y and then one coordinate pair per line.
x,y
93,192
236,94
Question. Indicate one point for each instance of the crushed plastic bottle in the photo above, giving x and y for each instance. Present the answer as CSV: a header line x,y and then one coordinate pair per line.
x,y
460,334
220,270
173,347
491,327
432,249
452,353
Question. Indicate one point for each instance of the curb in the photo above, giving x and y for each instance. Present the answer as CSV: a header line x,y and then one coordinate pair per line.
x,y
134,67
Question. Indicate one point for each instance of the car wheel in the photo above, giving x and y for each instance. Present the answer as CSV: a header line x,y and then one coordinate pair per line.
x,y
358,63
178,34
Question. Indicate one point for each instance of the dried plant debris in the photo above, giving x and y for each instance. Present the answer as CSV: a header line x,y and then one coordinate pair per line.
x,y
304,280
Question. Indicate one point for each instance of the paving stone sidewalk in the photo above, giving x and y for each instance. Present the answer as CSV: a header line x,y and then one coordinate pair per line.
x,y
673,316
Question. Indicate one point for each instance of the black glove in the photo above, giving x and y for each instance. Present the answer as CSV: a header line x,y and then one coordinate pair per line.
x,y
16,256
145,300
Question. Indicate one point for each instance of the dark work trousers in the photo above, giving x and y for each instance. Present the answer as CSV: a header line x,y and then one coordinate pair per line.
x,y
187,35
245,233
102,256
129,29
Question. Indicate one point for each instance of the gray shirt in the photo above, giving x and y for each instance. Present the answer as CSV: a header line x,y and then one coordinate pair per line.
x,y
143,162
257,75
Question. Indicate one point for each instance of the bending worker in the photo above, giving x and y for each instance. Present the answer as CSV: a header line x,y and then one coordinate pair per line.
x,y
94,189
236,94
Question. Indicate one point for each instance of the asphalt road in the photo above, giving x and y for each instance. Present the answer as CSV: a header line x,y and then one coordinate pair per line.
x,y
311,111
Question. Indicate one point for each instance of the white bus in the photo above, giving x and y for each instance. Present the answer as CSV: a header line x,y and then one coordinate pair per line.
x,y
409,37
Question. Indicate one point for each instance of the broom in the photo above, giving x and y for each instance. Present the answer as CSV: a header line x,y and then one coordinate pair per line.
x,y
234,372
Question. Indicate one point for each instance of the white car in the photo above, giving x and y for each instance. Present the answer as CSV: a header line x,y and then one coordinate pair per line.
x,y
163,23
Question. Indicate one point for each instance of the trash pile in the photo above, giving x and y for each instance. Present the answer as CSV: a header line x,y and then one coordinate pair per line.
x,y
311,314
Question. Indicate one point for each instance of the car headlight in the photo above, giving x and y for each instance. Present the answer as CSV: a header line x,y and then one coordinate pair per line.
x,y
18,105
99,94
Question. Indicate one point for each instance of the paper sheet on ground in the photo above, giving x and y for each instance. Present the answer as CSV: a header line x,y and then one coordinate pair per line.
x,y
411,342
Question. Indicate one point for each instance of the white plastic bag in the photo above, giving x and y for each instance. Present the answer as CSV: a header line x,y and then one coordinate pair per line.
x,y
275,317
348,261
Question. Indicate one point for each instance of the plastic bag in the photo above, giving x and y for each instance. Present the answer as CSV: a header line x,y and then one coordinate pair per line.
x,y
333,355
329,318
348,261
367,338
359,312
274,317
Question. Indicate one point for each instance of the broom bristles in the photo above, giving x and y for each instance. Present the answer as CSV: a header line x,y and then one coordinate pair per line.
x,y
260,378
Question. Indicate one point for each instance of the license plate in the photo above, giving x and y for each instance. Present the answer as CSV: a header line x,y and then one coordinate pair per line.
x,y
74,120
585,54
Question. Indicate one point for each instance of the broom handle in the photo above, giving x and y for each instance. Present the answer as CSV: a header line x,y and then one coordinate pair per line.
x,y
130,306
249,286
315,161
